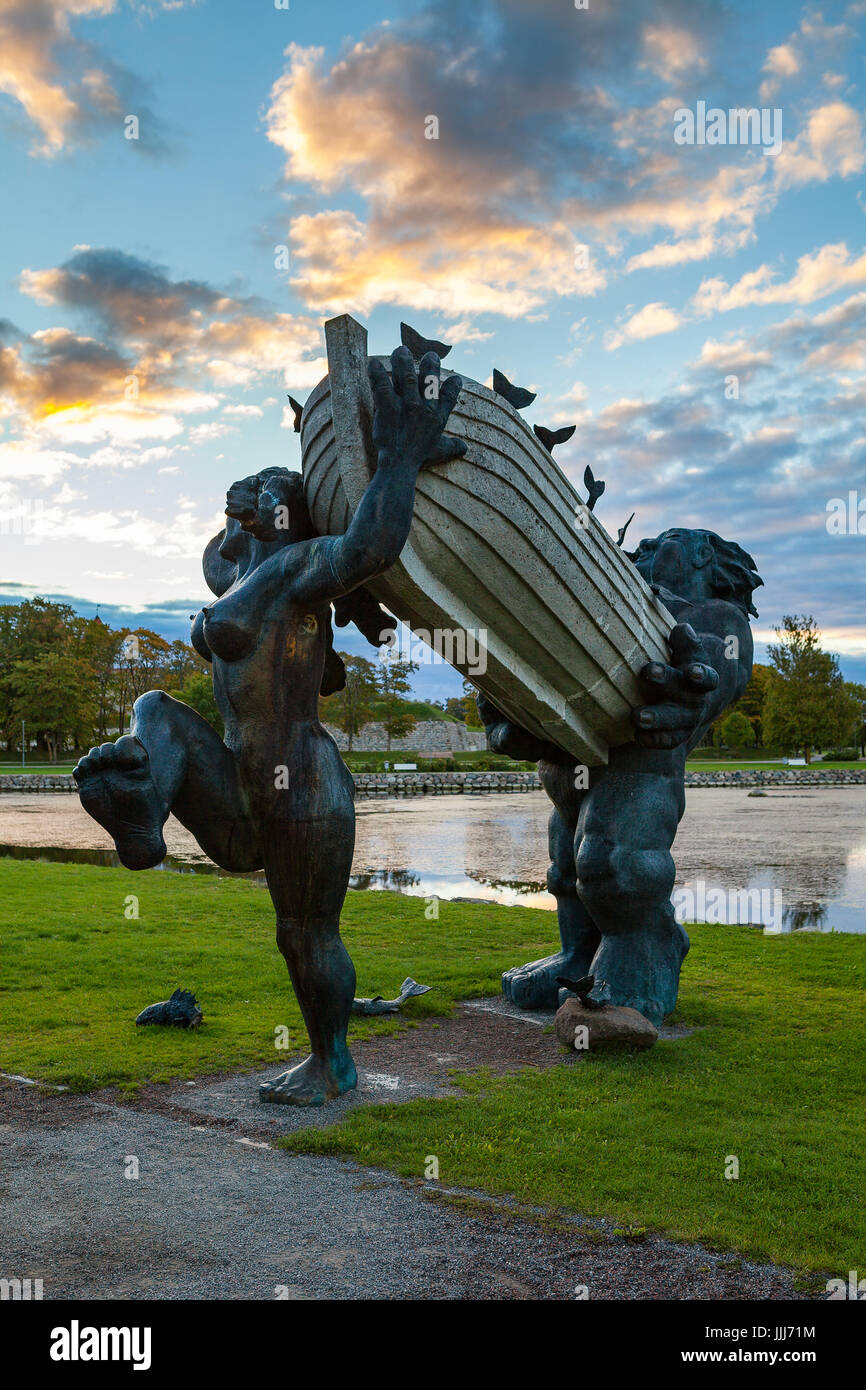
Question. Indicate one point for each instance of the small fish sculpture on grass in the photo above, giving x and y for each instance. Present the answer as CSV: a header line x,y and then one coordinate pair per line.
x,y
180,1011
408,990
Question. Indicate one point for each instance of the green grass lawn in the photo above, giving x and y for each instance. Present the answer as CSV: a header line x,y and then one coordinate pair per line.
x,y
729,765
464,760
773,1073
12,769
460,761
74,971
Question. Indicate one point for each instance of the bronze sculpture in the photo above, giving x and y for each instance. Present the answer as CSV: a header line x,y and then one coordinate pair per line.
x,y
612,827
592,667
277,795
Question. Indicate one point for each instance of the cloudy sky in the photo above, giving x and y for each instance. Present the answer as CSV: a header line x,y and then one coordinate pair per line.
x,y
191,189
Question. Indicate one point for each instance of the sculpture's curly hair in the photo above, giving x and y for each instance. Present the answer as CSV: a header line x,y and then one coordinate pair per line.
x,y
734,574
358,607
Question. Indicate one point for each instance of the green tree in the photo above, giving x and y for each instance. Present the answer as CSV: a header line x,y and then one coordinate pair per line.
x,y
143,664
751,702
110,668
352,707
182,661
99,646
29,631
197,692
465,709
858,734
736,730
40,627
472,719
806,704
56,695
393,683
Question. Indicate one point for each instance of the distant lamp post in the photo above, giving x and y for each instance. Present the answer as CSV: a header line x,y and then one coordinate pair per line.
x,y
23,745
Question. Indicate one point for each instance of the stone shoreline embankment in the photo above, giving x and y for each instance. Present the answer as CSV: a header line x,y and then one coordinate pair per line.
x,y
381,785
781,777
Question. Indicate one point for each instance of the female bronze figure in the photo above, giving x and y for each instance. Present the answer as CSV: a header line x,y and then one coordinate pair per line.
x,y
276,794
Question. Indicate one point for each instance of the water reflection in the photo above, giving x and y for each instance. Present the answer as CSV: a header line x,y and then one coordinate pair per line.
x,y
393,880
799,858
806,917
109,859
520,886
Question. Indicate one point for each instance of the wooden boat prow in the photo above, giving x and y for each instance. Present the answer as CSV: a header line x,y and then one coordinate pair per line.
x,y
500,545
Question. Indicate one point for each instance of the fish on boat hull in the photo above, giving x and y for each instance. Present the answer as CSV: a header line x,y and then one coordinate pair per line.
x,y
501,548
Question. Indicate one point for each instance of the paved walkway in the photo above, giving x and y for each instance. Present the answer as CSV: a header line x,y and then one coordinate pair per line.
x,y
216,1212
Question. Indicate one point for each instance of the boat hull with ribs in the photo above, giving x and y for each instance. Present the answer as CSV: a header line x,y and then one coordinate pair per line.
x,y
501,549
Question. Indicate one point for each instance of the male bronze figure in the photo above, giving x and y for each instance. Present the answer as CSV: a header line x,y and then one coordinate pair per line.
x,y
612,828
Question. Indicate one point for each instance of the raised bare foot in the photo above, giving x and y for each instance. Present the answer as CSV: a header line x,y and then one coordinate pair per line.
x,y
534,986
116,788
309,1083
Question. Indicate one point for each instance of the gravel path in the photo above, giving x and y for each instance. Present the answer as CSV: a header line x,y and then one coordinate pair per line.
x,y
217,1213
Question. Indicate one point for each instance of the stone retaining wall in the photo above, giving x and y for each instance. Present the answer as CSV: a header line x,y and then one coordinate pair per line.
x,y
429,736
37,782
373,785
781,777
368,785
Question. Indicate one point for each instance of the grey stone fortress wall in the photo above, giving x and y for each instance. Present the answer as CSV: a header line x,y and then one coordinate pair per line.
x,y
430,737
376,785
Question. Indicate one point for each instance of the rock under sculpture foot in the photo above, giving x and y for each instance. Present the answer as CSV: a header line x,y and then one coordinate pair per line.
x,y
641,970
116,788
310,1083
534,986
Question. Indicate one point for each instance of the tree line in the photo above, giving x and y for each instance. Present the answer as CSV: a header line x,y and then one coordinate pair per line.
x,y
72,681
800,701
375,692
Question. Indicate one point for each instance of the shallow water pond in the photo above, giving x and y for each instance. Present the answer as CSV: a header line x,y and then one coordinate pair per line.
x,y
787,860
